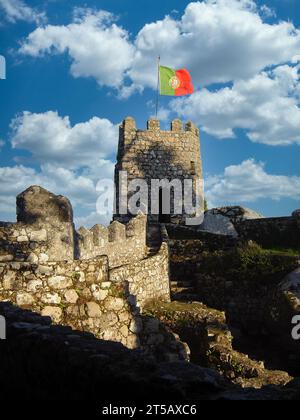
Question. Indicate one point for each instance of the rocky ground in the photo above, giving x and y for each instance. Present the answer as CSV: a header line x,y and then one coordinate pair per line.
x,y
44,361
210,340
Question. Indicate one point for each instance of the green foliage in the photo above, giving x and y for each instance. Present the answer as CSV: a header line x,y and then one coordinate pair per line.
x,y
76,276
283,251
117,291
249,262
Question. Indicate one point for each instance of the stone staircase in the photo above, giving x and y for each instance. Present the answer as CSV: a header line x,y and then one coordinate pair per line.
x,y
181,290
210,341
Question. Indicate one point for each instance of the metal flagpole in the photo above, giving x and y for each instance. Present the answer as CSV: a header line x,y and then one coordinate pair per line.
x,y
158,85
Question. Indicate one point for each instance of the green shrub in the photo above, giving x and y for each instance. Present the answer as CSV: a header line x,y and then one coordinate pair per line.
x,y
249,262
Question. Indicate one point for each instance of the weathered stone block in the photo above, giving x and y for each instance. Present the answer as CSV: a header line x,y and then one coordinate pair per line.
x,y
100,235
133,342
105,284
53,312
117,232
59,282
93,310
136,325
43,258
9,280
37,205
33,259
124,331
153,124
114,304
98,293
106,321
176,125
34,285
51,298
6,258
22,239
71,296
24,299
38,236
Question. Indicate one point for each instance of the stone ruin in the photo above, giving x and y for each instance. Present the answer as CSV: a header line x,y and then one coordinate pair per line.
x,y
94,280
102,280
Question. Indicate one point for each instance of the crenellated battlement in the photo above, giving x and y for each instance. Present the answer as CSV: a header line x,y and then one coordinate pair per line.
x,y
96,279
129,128
46,232
122,243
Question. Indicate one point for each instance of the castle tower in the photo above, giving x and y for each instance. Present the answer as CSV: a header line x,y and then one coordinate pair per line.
x,y
154,154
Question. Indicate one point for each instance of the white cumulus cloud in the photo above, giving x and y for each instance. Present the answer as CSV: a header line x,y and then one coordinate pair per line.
x,y
15,10
266,106
217,40
52,139
69,160
248,182
79,188
97,46
220,41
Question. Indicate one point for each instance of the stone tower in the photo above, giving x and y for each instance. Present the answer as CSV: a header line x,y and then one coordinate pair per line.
x,y
154,154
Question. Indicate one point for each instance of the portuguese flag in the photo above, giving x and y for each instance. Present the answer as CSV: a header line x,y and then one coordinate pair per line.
x,y
175,82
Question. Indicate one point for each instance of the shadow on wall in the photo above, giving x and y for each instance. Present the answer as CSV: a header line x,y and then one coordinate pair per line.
x,y
163,164
156,154
39,360
154,338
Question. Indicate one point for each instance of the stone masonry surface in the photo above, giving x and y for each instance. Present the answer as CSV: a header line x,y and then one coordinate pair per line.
x,y
157,154
95,280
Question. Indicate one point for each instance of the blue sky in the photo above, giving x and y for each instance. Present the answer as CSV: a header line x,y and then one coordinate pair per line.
x,y
76,69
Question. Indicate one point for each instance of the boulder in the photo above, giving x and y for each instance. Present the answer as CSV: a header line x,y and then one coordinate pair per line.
x,y
221,225
37,205
222,220
290,287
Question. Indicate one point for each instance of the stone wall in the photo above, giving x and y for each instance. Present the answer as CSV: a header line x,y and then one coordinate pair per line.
x,y
74,293
87,296
272,232
121,243
193,248
36,243
45,232
157,154
40,361
92,280
148,279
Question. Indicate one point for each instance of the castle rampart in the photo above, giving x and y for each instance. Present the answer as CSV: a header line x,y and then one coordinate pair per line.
x,y
95,280
48,236
121,243
272,232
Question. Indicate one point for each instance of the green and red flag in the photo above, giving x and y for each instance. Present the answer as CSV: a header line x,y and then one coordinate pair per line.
x,y
175,82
